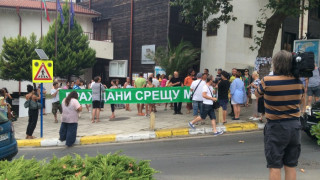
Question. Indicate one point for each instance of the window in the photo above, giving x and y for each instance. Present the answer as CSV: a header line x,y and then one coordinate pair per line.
x,y
212,30
288,40
247,31
118,68
146,52
102,30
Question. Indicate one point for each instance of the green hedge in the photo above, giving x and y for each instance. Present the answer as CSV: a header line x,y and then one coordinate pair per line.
x,y
315,131
109,167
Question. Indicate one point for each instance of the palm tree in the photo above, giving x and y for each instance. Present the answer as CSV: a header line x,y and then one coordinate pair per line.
x,y
180,58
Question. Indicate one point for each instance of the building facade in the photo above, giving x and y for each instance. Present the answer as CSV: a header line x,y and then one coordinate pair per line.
x,y
154,24
23,17
228,47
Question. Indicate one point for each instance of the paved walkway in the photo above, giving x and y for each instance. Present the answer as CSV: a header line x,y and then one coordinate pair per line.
x,y
124,123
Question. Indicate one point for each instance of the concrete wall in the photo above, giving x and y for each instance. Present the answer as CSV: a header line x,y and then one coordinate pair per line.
x,y
230,48
104,49
213,50
13,86
23,112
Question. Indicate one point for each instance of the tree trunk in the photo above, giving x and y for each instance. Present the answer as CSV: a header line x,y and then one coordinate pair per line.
x,y
269,40
270,36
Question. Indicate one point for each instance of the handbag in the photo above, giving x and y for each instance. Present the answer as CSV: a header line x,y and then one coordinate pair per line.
x,y
32,105
215,104
253,96
191,96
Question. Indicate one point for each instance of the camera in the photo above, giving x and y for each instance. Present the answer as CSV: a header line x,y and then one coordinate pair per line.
x,y
302,64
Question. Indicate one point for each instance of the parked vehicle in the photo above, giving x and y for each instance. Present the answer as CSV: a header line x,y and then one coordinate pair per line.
x,y
8,142
309,118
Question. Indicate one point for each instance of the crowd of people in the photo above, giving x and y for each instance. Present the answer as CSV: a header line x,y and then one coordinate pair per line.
x,y
278,97
225,88
206,89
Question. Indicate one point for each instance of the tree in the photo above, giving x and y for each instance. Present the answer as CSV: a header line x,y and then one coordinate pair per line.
x,y
180,58
16,58
73,54
281,10
198,12
270,26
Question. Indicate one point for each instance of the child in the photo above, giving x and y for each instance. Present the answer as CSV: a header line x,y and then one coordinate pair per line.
x,y
149,106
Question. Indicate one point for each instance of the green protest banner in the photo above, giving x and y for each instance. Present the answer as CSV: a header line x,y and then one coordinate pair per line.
x,y
134,95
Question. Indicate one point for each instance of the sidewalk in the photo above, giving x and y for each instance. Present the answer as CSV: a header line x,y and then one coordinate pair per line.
x,y
127,125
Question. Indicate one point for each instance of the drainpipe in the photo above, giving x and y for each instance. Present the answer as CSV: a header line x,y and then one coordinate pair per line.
x,y
131,33
302,19
89,4
18,13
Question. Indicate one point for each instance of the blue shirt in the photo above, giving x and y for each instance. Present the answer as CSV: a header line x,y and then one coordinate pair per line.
x,y
238,91
76,87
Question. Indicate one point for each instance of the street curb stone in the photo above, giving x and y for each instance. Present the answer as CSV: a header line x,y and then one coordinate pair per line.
x,y
146,135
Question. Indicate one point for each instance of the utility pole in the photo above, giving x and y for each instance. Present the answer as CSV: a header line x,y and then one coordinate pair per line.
x,y
56,33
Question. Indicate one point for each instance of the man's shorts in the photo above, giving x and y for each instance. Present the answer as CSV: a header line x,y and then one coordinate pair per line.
x,y
197,105
282,143
314,91
223,103
55,107
208,110
96,104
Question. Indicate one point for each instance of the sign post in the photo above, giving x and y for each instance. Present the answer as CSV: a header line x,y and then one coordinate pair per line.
x,y
42,72
41,113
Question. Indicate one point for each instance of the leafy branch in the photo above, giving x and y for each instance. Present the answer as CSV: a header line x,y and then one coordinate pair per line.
x,y
261,24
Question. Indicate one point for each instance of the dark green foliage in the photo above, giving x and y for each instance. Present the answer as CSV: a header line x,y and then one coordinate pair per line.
x,y
16,58
104,167
179,58
74,54
198,11
315,129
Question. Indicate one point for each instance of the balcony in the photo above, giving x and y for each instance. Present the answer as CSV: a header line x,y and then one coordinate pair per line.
x,y
102,45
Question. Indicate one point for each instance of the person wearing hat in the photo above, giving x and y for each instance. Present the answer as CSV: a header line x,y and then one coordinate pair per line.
x,y
196,88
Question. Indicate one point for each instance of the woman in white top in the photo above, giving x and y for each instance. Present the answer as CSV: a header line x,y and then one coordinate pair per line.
x,y
207,107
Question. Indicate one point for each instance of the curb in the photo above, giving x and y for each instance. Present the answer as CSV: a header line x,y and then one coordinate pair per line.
x,y
146,135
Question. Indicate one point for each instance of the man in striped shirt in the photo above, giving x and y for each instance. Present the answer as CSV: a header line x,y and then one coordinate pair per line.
x,y
282,97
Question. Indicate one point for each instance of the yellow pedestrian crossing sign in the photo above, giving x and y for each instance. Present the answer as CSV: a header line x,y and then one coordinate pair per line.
x,y
42,71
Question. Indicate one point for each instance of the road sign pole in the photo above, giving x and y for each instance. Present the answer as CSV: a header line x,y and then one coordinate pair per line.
x,y
41,113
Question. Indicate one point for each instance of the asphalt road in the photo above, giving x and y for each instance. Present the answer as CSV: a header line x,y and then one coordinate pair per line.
x,y
201,157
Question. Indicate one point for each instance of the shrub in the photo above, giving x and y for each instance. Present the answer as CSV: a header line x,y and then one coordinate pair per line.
x,y
109,166
315,131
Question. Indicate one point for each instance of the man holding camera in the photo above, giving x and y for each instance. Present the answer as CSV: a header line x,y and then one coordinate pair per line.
x,y
282,136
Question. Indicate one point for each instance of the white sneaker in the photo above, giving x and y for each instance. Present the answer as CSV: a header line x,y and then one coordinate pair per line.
x,y
256,119
251,118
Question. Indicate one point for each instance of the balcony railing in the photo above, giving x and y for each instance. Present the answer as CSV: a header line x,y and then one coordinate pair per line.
x,y
98,37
